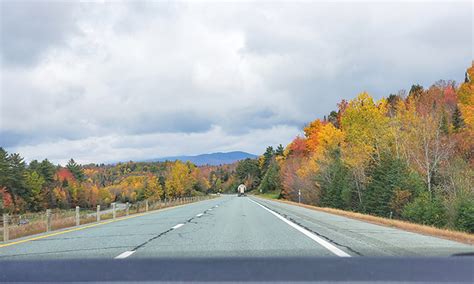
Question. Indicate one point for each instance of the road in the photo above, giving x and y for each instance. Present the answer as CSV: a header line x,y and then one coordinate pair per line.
x,y
233,226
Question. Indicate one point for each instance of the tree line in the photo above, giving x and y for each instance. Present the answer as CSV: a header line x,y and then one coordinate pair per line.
x,y
41,185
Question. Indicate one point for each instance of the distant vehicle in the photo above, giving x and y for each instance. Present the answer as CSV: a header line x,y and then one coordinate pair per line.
x,y
23,221
241,190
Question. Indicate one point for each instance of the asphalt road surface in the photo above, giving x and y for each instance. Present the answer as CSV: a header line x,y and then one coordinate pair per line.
x,y
233,226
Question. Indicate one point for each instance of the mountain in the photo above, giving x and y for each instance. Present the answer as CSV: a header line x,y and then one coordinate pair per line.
x,y
210,159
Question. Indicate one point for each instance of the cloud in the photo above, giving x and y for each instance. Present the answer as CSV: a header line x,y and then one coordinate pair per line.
x,y
114,148
76,77
29,28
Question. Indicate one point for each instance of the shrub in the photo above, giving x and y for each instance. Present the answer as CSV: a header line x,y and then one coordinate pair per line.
x,y
464,219
425,210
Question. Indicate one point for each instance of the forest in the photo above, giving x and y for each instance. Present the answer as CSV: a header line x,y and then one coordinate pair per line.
x,y
408,156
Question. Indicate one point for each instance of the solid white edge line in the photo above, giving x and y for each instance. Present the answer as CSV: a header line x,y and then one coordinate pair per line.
x,y
199,215
335,250
125,254
177,226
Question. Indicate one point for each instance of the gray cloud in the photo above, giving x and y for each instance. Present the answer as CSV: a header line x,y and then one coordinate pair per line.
x,y
135,79
28,28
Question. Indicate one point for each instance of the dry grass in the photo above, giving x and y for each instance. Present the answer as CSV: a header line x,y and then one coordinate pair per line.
x,y
61,220
458,236
26,230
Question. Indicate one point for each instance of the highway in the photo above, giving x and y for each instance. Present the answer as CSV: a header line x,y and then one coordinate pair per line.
x,y
231,226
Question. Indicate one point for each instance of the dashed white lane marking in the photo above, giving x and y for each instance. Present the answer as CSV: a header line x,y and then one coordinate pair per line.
x,y
324,243
177,226
199,215
216,206
125,254
210,209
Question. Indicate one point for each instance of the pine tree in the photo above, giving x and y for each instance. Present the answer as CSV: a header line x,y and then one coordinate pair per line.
x,y
267,158
280,151
334,182
387,175
458,121
271,180
75,169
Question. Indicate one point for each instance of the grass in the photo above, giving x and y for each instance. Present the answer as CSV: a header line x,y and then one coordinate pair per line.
x,y
458,236
270,195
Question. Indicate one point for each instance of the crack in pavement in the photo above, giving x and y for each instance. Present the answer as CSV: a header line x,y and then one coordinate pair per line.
x,y
188,221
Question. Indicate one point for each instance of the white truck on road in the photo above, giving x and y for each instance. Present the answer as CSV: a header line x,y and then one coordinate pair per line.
x,y
241,190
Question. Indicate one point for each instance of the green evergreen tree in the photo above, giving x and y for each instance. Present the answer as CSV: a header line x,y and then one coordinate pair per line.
x,y
267,158
444,124
271,180
280,151
75,169
334,182
464,220
458,121
387,175
425,210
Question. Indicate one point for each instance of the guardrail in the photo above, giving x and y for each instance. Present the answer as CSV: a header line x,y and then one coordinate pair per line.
x,y
17,226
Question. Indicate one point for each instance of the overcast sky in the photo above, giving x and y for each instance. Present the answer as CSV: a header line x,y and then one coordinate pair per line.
x,y
134,80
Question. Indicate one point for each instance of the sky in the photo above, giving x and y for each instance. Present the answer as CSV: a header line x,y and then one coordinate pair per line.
x,y
118,81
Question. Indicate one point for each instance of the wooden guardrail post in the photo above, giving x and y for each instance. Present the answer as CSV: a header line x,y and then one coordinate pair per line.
x,y
5,228
78,222
127,207
48,220
113,211
98,213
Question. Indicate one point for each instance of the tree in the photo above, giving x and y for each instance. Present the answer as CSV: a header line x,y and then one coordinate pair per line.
x,y
248,172
75,169
271,179
365,127
387,176
425,210
332,118
416,90
458,121
5,170
16,186
424,142
280,151
47,170
153,190
464,219
333,178
34,183
267,158
179,181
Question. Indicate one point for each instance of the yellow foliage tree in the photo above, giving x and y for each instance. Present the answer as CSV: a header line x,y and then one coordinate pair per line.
x,y
365,126
179,181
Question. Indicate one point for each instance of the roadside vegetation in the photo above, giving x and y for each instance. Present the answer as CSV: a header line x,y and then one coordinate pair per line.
x,y
409,156
38,186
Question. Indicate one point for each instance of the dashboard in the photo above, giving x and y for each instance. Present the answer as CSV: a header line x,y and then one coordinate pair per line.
x,y
357,269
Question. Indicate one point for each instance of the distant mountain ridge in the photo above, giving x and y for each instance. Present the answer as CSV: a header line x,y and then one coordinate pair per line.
x,y
213,159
